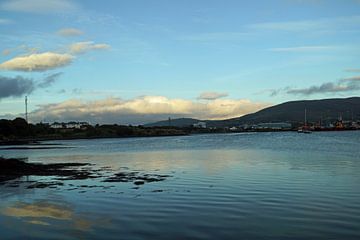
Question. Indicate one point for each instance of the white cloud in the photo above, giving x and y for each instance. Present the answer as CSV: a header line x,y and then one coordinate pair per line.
x,y
70,32
37,62
83,47
212,95
39,6
143,109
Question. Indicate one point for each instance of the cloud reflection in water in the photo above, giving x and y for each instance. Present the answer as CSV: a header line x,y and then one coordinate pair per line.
x,y
44,213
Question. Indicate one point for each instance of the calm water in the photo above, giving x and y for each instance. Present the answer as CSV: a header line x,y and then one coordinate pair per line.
x,y
234,186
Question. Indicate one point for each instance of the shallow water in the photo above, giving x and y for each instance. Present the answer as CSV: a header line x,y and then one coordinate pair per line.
x,y
222,186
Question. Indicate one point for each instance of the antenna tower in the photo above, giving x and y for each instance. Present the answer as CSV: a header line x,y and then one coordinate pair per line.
x,y
26,108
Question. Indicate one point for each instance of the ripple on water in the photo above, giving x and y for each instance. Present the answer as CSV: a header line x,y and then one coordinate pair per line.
x,y
240,186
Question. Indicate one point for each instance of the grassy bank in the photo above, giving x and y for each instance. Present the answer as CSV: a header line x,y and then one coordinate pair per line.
x,y
19,132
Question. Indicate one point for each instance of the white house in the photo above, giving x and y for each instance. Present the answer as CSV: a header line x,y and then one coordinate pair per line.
x,y
57,125
273,126
69,125
200,125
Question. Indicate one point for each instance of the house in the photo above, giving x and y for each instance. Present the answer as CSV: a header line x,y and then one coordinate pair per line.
x,y
76,125
199,125
69,125
273,126
57,125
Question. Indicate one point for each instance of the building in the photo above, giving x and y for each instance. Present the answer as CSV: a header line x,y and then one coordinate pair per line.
x,y
70,125
199,125
273,126
57,125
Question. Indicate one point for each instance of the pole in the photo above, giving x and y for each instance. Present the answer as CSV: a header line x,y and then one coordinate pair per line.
x,y
26,108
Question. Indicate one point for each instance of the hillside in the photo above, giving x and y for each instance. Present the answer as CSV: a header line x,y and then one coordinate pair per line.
x,y
293,112
325,109
178,122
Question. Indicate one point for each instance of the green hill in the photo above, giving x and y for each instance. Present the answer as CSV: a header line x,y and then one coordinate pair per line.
x,y
325,109
292,112
178,122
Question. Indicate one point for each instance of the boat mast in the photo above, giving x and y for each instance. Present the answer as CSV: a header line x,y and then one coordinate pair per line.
x,y
305,118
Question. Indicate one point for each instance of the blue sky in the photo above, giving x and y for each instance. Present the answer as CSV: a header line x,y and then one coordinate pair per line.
x,y
137,61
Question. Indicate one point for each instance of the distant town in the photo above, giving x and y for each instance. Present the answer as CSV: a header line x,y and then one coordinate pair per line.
x,y
271,126
19,131
302,116
284,126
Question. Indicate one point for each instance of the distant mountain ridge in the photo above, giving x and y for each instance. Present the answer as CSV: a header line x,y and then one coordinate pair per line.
x,y
292,112
178,122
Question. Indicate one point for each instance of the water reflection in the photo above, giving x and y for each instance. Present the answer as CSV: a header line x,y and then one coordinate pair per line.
x,y
40,209
44,213
279,186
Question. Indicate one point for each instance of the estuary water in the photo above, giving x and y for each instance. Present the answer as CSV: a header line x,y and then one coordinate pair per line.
x,y
218,186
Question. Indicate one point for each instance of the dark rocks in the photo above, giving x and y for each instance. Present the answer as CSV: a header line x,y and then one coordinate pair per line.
x,y
11,169
157,190
136,177
139,182
45,185
16,168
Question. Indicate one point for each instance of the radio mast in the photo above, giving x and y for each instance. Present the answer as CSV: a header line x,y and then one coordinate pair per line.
x,y
26,108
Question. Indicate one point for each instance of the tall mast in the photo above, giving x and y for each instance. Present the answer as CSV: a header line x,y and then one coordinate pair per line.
x,y
305,118
26,108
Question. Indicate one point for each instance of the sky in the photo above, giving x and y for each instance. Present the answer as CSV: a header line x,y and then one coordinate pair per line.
x,y
139,61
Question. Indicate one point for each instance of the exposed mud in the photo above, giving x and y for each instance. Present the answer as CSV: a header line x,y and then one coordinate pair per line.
x,y
12,169
15,168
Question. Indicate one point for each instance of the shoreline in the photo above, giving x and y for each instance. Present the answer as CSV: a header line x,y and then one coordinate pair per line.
x,y
38,141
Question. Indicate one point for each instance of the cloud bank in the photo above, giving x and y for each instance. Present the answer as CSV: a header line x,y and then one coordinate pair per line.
x,y
328,87
15,87
19,86
143,110
212,95
37,62
341,86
